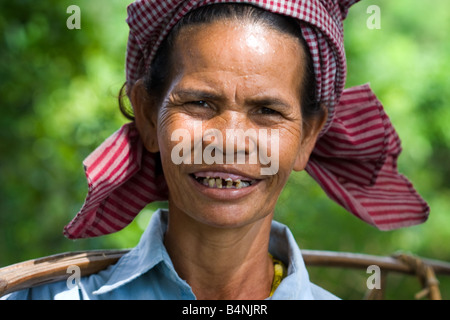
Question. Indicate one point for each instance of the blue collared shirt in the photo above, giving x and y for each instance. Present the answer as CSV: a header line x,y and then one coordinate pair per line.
x,y
147,272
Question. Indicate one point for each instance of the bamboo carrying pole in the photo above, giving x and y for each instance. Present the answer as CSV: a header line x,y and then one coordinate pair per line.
x,y
55,268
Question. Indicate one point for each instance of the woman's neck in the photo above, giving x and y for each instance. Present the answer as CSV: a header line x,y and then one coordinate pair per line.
x,y
221,263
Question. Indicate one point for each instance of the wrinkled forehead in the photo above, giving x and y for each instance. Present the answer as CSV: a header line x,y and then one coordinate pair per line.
x,y
227,41
249,61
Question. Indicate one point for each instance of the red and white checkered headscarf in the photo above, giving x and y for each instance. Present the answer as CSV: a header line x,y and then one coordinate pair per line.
x,y
354,160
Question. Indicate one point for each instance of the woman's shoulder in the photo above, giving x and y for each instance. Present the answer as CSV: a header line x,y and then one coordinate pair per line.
x,y
320,293
53,291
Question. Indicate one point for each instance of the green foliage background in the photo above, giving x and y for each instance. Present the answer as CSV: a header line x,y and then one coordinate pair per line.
x,y
58,90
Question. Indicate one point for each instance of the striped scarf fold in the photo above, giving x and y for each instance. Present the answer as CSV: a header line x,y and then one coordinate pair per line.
x,y
355,163
354,160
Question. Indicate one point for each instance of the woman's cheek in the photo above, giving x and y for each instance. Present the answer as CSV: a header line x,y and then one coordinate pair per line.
x,y
289,147
174,136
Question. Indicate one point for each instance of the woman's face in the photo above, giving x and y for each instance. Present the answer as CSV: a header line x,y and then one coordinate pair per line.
x,y
231,79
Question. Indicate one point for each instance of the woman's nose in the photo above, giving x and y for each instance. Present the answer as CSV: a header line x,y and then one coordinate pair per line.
x,y
237,136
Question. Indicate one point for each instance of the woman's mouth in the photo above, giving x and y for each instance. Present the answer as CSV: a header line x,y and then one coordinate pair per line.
x,y
223,180
224,185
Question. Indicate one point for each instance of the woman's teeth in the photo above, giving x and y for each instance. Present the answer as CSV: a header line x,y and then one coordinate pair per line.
x,y
219,183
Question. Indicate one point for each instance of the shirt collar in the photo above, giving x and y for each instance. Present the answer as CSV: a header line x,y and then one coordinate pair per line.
x,y
149,252
296,285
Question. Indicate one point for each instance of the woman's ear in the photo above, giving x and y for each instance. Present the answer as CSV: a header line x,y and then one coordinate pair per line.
x,y
146,115
310,132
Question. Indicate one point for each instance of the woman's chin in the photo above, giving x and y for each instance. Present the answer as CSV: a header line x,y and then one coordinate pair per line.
x,y
228,220
223,215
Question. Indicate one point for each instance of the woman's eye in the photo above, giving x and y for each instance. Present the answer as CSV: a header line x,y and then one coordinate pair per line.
x,y
268,111
199,103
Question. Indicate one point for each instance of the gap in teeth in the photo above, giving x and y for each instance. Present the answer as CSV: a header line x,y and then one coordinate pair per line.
x,y
220,183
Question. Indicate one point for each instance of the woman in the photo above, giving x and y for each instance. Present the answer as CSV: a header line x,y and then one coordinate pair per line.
x,y
210,84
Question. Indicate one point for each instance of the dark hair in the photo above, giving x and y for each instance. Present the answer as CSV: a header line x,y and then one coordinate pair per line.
x,y
159,71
